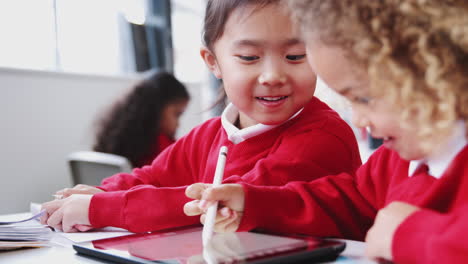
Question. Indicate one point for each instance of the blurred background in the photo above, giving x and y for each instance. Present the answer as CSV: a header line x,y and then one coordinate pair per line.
x,y
63,61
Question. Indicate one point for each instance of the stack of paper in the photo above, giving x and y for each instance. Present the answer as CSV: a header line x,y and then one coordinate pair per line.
x,y
25,232
68,239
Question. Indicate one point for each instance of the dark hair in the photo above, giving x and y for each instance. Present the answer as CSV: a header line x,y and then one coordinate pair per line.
x,y
130,127
217,13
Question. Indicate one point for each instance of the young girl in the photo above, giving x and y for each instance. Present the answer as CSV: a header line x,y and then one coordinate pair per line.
x,y
143,123
404,67
274,126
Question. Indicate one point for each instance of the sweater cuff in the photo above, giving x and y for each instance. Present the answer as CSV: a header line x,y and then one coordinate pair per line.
x,y
105,209
262,204
412,237
109,187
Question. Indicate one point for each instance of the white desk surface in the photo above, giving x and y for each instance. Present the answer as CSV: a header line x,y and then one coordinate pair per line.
x,y
353,254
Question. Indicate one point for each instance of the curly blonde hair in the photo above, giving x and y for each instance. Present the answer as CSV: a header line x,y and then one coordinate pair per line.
x,y
415,52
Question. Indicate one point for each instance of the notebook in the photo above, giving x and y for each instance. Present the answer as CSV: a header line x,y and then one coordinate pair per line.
x,y
22,230
184,245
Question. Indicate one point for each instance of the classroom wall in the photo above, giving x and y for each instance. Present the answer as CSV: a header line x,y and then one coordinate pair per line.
x,y
45,116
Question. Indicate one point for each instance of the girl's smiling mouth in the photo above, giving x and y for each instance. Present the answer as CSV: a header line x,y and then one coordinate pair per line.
x,y
389,142
271,101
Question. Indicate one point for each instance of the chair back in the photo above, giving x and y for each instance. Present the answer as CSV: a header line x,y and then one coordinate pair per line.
x,y
91,167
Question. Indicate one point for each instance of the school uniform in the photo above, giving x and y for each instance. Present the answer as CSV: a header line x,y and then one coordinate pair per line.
x,y
345,205
312,143
163,141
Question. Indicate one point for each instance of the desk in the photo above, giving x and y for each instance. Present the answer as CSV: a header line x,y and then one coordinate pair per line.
x,y
353,254
45,255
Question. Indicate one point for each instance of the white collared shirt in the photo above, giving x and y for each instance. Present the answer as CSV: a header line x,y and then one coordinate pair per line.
x,y
439,161
236,135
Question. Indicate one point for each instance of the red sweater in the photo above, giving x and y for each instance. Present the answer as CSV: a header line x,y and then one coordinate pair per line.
x,y
162,142
152,198
345,206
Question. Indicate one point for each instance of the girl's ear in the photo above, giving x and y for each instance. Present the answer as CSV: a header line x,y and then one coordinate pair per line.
x,y
210,61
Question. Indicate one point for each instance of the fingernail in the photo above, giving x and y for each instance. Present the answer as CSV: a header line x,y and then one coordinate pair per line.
x,y
225,212
202,204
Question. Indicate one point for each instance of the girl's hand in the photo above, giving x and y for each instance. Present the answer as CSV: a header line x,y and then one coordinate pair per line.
x,y
379,238
69,214
230,206
78,189
222,246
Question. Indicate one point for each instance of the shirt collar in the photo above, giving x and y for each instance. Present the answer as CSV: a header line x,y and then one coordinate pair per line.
x,y
236,135
439,161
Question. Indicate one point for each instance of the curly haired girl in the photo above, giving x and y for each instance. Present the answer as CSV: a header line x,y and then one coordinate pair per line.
x,y
403,64
144,122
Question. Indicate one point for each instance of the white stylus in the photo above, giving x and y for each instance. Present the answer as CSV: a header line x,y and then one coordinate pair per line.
x,y
207,232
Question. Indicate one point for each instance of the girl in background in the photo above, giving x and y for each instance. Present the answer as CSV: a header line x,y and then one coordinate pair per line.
x,y
404,67
275,129
143,123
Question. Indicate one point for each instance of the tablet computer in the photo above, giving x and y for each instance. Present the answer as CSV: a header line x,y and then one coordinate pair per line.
x,y
184,245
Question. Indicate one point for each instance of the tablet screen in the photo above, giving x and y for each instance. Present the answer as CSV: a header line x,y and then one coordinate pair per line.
x,y
185,246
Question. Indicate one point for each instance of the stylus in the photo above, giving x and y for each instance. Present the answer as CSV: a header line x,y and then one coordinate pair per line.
x,y
211,212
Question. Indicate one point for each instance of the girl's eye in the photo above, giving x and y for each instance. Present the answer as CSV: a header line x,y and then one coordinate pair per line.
x,y
248,58
295,57
362,100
